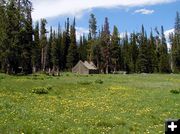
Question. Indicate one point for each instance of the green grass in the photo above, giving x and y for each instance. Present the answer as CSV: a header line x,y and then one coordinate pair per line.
x,y
79,104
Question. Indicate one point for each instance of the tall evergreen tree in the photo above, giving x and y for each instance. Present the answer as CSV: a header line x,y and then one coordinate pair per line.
x,y
43,44
177,24
36,51
59,47
3,37
82,50
126,54
72,57
106,45
65,44
49,48
114,49
17,36
20,52
175,41
92,37
143,52
152,54
97,53
54,54
134,52
26,34
13,48
164,65
92,27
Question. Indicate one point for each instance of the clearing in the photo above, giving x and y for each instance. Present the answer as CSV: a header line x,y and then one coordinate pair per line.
x,y
136,103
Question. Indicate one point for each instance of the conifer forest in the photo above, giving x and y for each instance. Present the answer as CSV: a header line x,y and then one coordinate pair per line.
x,y
27,47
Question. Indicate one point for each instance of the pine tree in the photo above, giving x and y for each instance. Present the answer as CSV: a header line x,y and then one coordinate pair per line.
x,y
126,54
97,53
16,55
43,44
3,37
36,52
63,53
13,48
120,57
82,50
114,49
134,52
65,44
72,57
105,37
21,53
164,65
92,27
177,24
49,48
59,47
54,54
175,40
26,34
152,54
92,37
143,52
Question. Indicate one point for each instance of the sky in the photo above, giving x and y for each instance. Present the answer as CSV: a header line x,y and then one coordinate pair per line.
x,y
127,15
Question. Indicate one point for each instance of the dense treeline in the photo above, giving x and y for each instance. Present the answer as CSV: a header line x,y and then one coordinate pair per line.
x,y
27,49
16,40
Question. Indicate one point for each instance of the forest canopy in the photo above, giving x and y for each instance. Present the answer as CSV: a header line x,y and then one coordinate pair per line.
x,y
27,49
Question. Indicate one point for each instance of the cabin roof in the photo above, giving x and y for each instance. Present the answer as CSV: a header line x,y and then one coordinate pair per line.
x,y
90,65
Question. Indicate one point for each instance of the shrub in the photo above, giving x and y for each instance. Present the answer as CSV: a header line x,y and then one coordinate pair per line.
x,y
1,78
83,75
175,91
49,77
104,124
40,90
36,78
99,81
49,87
85,82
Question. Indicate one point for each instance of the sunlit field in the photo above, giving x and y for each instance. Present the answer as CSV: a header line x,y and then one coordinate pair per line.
x,y
79,104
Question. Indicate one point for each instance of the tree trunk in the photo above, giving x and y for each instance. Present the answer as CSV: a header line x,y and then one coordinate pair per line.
x,y
49,71
107,69
42,59
34,69
45,54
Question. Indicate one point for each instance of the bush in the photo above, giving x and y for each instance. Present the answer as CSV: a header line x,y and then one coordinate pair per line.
x,y
37,78
175,91
99,81
105,124
1,78
49,87
40,90
85,82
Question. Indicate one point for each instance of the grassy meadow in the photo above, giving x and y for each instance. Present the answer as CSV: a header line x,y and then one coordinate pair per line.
x,y
88,104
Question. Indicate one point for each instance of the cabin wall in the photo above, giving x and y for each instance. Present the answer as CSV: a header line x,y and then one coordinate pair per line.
x,y
80,69
83,70
93,71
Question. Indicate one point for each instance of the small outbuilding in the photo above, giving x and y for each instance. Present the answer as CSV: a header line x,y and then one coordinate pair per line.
x,y
85,68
